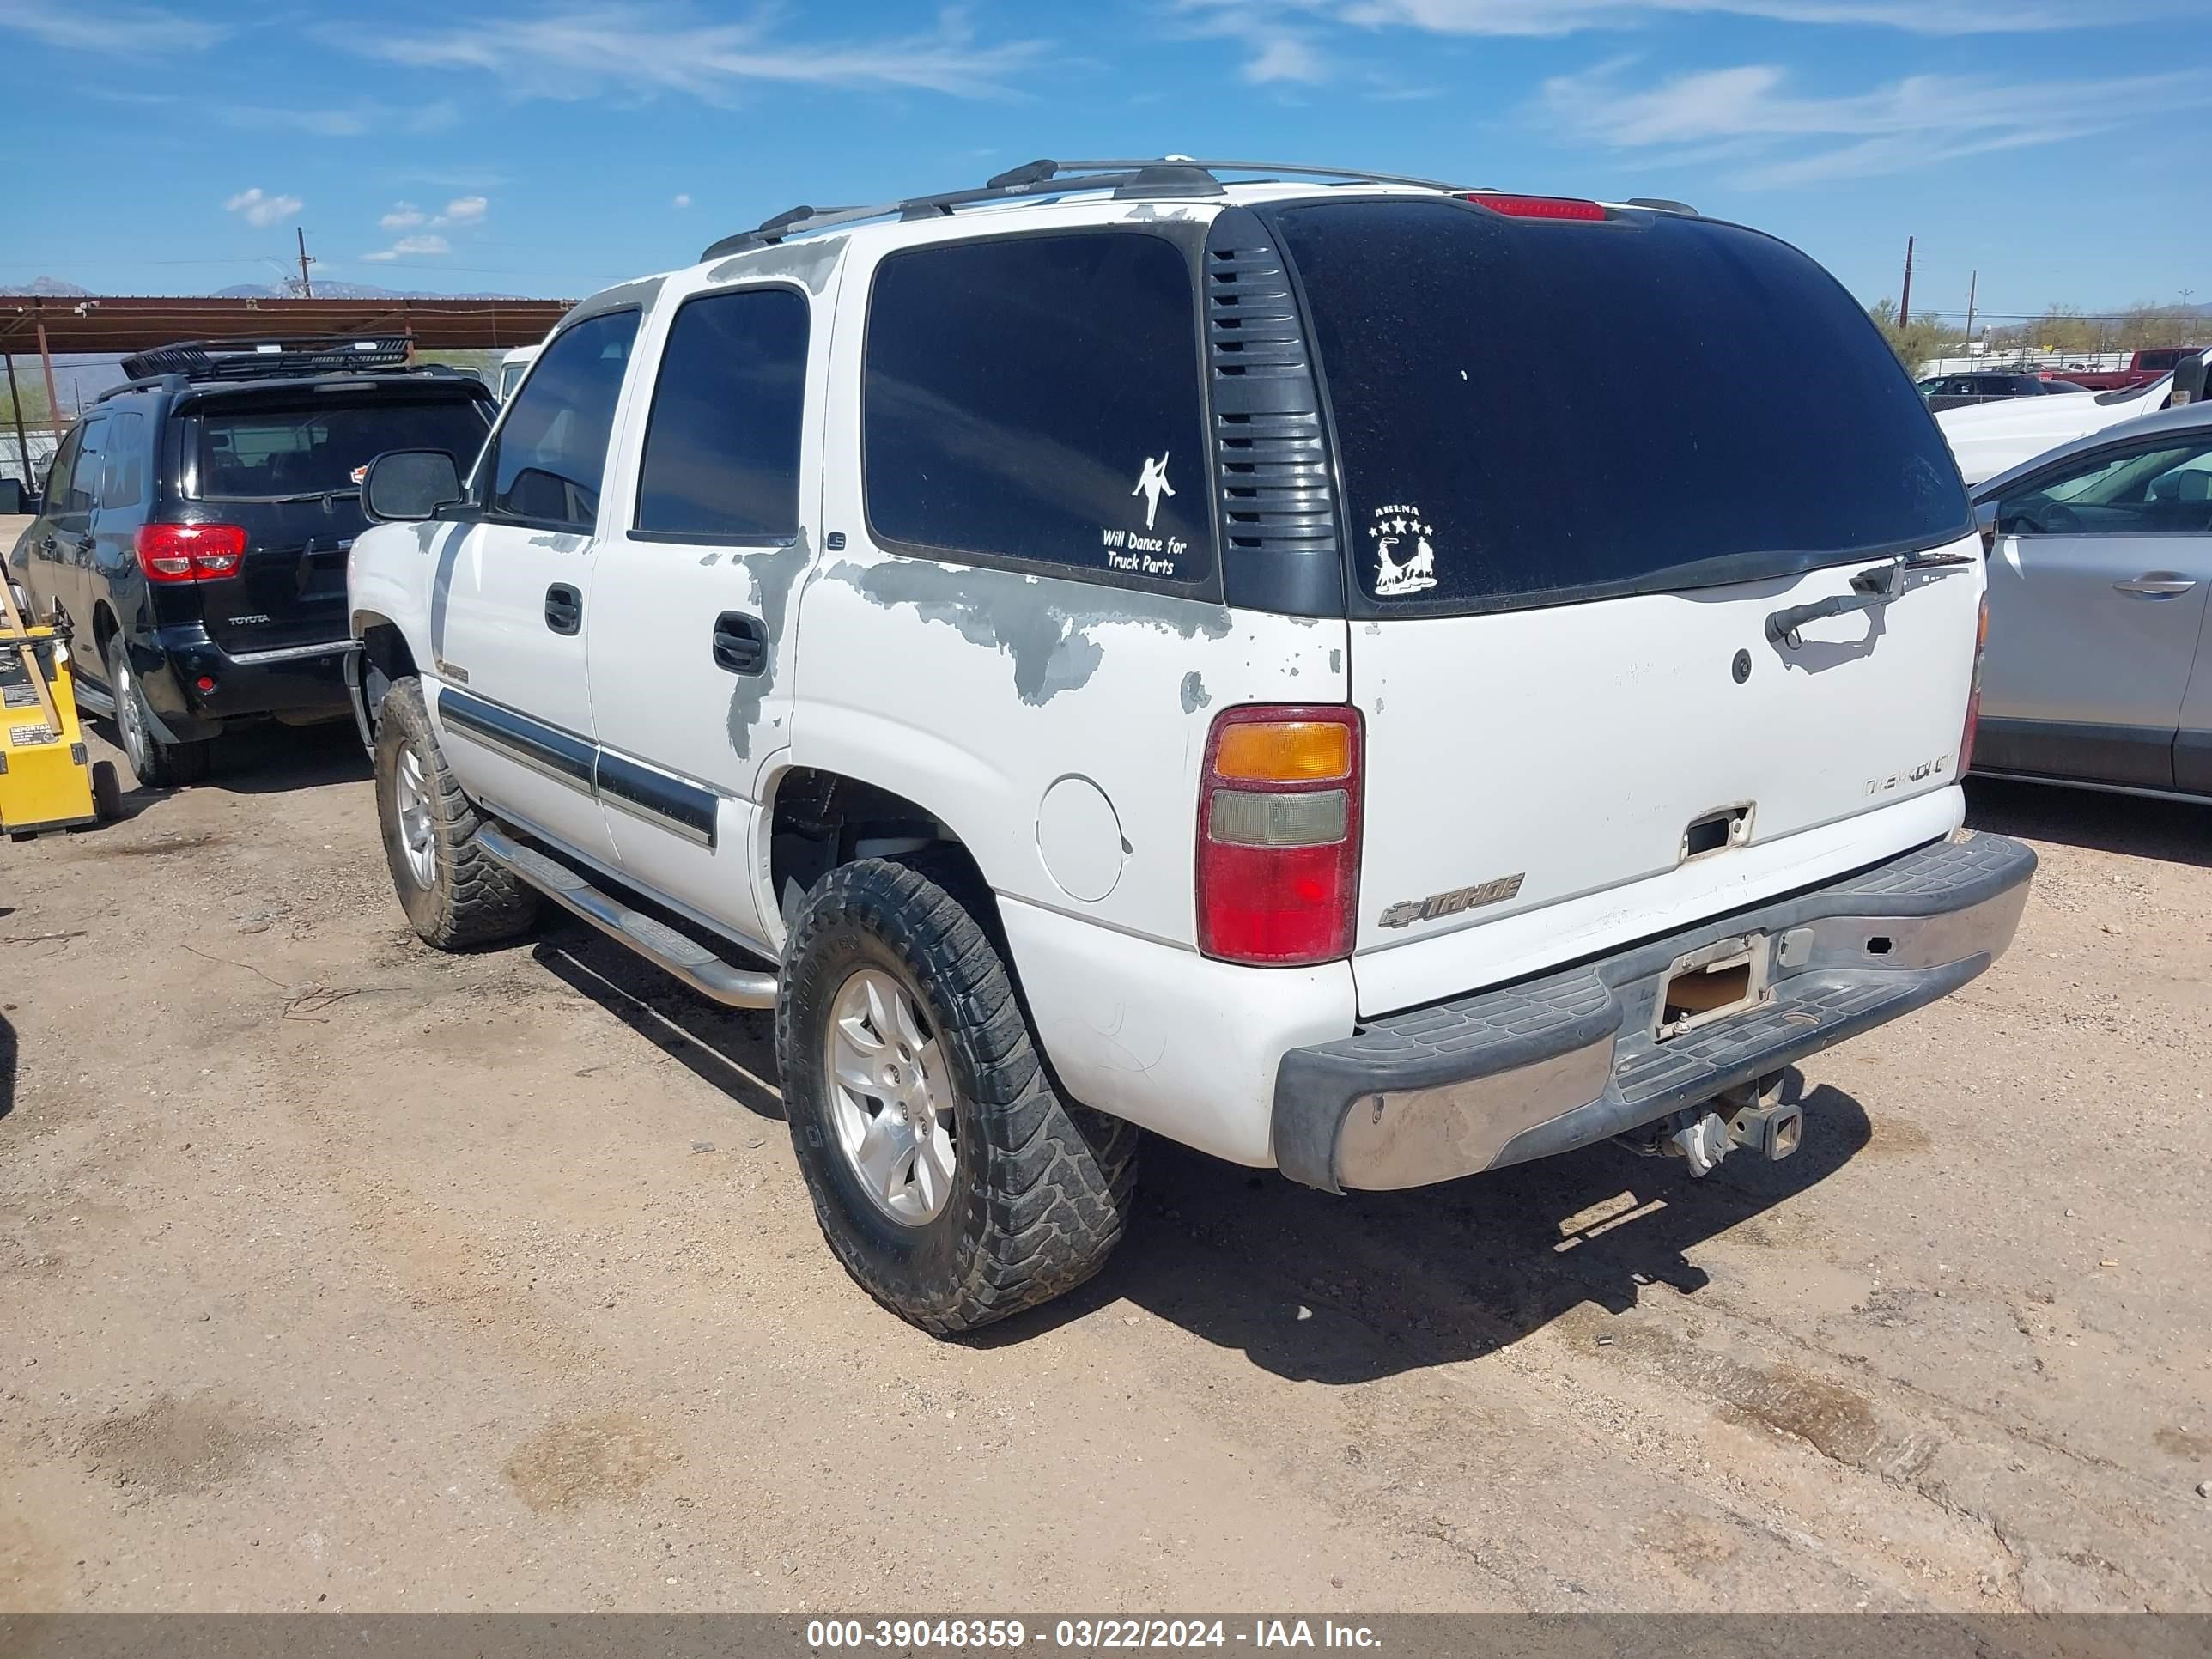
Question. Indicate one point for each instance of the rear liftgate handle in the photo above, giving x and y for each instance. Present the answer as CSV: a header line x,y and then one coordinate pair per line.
x,y
564,609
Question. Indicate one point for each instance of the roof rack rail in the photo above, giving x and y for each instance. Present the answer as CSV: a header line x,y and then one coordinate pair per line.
x,y
1157,176
269,359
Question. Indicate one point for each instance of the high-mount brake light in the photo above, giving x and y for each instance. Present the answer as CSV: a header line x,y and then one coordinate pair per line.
x,y
190,552
1537,207
1279,835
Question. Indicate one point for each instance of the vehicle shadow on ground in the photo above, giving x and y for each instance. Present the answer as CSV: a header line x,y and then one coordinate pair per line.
x,y
732,1049
257,760
2138,826
7,1065
1308,1285
1319,1288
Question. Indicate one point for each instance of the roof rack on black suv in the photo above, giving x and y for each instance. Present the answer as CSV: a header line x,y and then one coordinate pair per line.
x,y
266,359
196,523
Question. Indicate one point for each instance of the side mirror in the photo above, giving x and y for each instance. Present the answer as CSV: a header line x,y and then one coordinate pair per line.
x,y
2187,380
404,486
1986,522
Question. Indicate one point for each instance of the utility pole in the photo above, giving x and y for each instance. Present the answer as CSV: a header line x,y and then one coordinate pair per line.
x,y
1904,301
307,286
1973,283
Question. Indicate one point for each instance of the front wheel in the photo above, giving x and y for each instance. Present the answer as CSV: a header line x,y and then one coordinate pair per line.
x,y
156,764
950,1178
454,895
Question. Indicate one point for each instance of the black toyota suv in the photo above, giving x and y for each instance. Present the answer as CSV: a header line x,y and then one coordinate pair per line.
x,y
196,526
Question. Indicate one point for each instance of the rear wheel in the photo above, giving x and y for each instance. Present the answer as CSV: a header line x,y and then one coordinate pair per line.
x,y
155,763
453,895
950,1178
107,792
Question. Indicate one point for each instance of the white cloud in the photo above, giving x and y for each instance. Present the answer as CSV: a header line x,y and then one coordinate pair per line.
x,y
650,46
1752,115
683,200
260,208
464,210
122,31
1311,40
404,216
409,244
1538,17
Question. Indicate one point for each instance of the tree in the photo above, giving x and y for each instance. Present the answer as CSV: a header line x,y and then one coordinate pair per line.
x,y
1914,340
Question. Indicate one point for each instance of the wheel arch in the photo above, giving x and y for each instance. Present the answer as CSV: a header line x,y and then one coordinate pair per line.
x,y
817,819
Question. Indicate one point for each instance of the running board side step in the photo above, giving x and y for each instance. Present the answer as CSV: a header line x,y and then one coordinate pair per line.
x,y
662,945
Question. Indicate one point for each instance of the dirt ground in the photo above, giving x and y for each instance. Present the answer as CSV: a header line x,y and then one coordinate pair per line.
x,y
337,1274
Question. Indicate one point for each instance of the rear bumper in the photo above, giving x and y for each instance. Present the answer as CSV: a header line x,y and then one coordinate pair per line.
x,y
305,682
1501,1077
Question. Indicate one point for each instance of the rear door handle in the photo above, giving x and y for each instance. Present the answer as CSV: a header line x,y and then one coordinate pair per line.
x,y
2156,585
740,643
564,609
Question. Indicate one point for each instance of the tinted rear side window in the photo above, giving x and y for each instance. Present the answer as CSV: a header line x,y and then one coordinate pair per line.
x,y
268,452
721,447
1533,412
1037,399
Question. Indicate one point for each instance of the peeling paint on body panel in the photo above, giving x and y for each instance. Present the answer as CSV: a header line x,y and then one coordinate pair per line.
x,y
1046,626
1195,695
808,263
774,571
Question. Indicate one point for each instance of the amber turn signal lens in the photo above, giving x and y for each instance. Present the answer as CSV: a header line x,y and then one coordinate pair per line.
x,y
1284,751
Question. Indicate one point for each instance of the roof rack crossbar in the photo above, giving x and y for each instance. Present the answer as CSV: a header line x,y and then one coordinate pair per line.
x,y
1166,175
269,358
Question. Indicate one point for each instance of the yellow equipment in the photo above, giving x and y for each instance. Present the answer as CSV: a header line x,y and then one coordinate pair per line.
x,y
45,782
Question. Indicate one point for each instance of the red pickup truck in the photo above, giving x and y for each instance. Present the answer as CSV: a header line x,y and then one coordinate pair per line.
x,y
2142,368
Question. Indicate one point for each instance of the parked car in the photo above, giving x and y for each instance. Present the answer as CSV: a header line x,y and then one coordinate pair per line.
x,y
1958,390
977,636
1997,437
512,367
2144,366
196,524
2100,671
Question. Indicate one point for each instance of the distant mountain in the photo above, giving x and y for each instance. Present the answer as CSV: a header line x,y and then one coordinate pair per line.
x,y
49,287
333,290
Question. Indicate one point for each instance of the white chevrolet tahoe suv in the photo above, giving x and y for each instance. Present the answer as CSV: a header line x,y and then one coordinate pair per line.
x,y
1369,678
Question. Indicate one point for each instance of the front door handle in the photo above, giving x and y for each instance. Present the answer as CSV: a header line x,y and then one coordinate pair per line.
x,y
2156,585
740,643
564,609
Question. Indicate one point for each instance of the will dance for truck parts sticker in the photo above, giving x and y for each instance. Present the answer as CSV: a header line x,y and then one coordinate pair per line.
x,y
1397,571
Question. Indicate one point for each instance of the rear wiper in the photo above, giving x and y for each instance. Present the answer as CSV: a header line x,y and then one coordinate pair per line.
x,y
312,496
1870,588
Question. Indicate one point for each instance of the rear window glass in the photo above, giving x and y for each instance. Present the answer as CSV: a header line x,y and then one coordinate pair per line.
x,y
1533,412
268,453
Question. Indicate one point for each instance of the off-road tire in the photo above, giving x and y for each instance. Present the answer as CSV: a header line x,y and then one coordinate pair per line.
x,y
155,764
1041,1186
469,900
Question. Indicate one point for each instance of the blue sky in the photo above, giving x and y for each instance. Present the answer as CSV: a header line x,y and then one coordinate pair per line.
x,y
2056,146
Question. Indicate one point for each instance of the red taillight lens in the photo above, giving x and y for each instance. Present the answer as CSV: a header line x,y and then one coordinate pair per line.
x,y
190,552
1537,207
1279,835
1974,691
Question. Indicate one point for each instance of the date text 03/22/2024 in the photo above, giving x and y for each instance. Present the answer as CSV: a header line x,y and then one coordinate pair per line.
x,y
1083,1635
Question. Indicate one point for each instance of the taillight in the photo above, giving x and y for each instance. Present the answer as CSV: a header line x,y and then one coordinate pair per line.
x,y
190,552
1974,691
1279,835
1537,207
